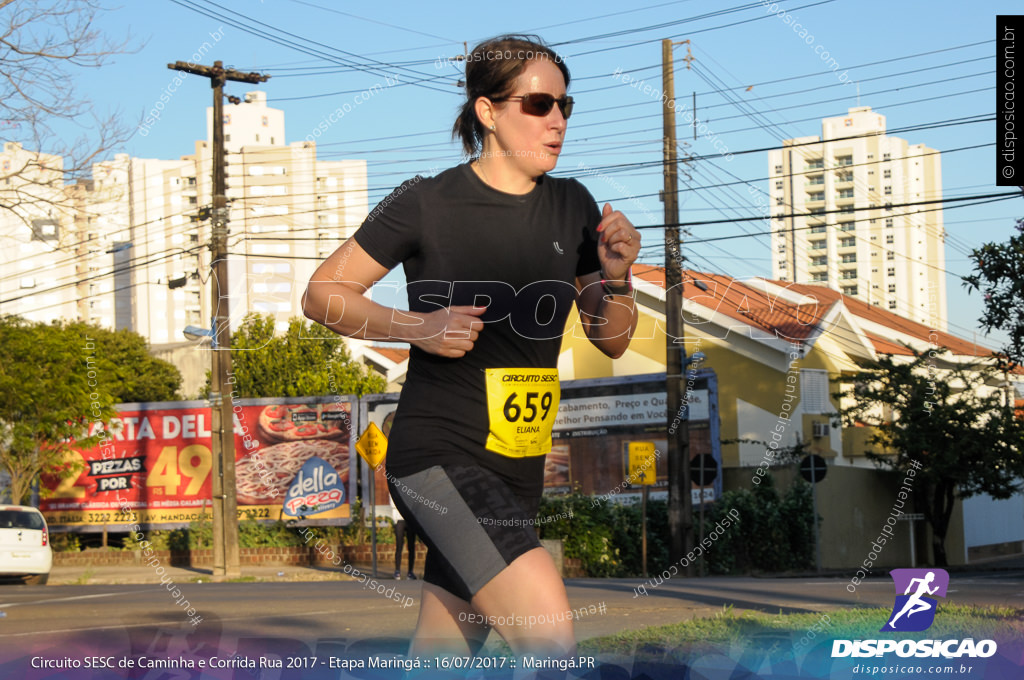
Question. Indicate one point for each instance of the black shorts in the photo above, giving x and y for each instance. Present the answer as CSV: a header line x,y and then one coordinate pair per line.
x,y
472,523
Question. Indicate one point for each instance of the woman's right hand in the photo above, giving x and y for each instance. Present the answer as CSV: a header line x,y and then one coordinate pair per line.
x,y
449,332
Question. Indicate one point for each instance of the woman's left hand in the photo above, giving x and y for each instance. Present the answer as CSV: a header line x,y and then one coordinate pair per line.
x,y
619,245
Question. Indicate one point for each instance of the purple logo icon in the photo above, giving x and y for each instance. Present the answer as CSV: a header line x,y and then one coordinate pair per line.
x,y
913,610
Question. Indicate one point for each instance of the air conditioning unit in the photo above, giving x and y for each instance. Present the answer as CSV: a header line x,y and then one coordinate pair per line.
x,y
819,429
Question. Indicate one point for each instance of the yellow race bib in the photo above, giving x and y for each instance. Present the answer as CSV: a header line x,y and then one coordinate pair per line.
x,y
521,407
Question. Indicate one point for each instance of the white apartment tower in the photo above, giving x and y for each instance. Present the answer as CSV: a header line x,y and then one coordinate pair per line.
x,y
840,216
129,249
40,265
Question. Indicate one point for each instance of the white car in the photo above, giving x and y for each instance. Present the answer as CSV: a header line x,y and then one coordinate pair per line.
x,y
24,544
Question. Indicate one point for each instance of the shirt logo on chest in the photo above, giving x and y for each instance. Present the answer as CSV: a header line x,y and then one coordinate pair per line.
x,y
558,249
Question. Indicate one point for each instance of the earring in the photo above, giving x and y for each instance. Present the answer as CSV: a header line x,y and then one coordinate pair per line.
x,y
492,128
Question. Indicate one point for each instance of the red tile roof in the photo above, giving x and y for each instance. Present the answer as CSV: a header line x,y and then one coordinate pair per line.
x,y
394,354
905,326
745,303
791,321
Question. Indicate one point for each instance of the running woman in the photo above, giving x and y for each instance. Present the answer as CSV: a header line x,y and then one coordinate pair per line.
x,y
495,253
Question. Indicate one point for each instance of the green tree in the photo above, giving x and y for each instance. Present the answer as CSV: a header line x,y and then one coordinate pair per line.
x,y
129,373
44,402
57,381
307,360
947,422
999,275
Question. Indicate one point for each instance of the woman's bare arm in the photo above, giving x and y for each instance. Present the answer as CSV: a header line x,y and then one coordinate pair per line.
x,y
335,298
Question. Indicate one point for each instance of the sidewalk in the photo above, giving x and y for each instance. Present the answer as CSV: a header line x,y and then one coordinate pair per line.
x,y
108,575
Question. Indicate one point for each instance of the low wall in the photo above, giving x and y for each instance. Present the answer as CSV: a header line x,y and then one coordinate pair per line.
x,y
298,556
302,555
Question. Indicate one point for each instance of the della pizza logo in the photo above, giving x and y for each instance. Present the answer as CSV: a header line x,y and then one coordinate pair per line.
x,y
914,609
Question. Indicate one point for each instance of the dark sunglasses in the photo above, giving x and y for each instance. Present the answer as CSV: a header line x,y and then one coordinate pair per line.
x,y
541,103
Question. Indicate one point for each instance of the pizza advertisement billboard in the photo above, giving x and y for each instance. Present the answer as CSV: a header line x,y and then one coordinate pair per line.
x,y
156,462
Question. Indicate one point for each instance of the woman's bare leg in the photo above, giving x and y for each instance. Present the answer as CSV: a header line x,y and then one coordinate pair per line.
x,y
447,625
530,588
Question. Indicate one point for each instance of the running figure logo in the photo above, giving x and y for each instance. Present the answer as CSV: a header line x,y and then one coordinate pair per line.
x,y
915,611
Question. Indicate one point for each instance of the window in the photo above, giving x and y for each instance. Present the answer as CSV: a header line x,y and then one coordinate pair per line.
x,y
850,257
819,229
846,226
816,196
891,271
819,276
782,247
850,290
844,176
782,264
888,222
778,184
846,193
780,201
849,274
847,242
885,156
887,174
888,191
814,391
816,179
892,304
778,169
890,255
819,245
889,238
844,160
819,260
892,287
813,163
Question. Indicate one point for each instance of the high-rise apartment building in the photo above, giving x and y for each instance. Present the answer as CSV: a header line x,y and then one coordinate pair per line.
x,y
844,215
129,248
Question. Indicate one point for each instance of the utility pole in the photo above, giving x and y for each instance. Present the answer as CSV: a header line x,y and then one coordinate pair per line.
x,y
680,503
226,562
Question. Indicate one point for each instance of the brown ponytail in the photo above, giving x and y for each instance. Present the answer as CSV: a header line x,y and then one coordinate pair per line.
x,y
491,71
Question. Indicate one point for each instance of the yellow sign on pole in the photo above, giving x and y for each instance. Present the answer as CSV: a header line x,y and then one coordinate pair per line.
x,y
372,445
642,459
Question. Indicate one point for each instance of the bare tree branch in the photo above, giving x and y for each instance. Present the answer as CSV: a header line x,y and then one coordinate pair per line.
x,y
44,44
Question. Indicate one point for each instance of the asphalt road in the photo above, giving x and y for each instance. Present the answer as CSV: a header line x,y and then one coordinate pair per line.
x,y
125,616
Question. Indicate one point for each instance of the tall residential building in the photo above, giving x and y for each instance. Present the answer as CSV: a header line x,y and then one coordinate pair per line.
x,y
129,248
39,244
856,238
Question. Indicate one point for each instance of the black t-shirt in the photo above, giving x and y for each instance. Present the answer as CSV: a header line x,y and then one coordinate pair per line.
x,y
463,242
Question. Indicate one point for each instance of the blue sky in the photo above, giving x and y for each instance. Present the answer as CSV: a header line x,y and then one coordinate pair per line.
x,y
404,130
